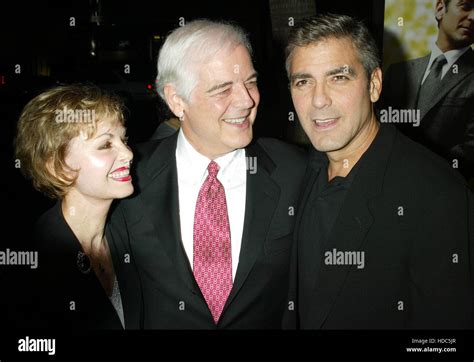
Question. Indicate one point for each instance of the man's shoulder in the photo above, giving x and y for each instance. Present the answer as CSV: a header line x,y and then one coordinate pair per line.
x,y
286,163
424,169
145,149
405,64
413,60
160,151
282,152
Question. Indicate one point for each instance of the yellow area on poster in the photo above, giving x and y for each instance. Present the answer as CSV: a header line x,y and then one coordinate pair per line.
x,y
410,29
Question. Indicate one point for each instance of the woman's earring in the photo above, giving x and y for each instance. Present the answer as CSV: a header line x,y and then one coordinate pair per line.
x,y
181,117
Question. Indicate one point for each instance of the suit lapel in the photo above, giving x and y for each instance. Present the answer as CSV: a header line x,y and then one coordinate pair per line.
x,y
261,200
311,177
353,222
160,197
414,75
464,67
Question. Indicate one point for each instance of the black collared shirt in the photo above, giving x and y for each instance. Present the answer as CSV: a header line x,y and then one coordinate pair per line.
x,y
325,201
327,198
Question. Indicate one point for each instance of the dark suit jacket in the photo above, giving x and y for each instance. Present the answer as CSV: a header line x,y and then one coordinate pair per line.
x,y
447,123
147,227
409,212
58,281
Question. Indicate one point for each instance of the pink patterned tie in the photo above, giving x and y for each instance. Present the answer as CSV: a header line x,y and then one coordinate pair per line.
x,y
212,259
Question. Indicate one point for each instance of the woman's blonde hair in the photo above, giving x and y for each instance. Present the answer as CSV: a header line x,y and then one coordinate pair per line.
x,y
49,122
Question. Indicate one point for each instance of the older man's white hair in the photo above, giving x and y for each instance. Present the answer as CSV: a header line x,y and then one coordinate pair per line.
x,y
192,44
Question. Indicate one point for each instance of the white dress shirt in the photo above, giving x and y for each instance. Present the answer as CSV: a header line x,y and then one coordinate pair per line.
x,y
451,56
192,172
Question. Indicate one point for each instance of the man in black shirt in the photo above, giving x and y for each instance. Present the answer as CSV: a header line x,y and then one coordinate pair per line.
x,y
383,236
326,197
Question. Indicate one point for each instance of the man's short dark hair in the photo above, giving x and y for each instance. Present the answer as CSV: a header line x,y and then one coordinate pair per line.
x,y
325,26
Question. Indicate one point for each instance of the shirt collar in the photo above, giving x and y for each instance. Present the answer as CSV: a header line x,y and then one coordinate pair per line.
x,y
451,55
194,165
319,160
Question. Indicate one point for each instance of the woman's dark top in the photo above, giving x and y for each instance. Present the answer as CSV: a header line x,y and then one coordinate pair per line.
x,y
67,292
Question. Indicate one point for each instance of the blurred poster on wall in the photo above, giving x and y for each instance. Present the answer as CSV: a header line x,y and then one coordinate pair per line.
x,y
409,28
428,87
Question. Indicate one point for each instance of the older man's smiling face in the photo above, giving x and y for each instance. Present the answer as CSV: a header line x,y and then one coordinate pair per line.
x,y
222,108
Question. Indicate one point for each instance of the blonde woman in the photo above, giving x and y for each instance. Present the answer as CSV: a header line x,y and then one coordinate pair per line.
x,y
71,143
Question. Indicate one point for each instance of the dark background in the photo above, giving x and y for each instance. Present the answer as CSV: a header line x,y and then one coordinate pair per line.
x,y
107,36
37,36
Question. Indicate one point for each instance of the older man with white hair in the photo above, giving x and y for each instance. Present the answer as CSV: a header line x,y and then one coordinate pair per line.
x,y
208,234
